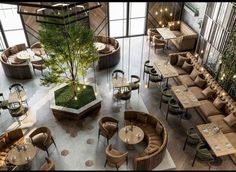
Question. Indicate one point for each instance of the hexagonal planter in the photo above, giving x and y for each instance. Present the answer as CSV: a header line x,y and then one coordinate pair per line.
x,y
64,107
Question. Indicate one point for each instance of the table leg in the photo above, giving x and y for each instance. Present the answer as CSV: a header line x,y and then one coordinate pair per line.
x,y
130,147
186,115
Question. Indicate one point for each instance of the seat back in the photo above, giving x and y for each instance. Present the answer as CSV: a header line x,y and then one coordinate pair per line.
x,y
116,73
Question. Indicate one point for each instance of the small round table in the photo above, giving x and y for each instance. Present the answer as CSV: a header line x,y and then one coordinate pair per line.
x,y
131,137
23,156
100,46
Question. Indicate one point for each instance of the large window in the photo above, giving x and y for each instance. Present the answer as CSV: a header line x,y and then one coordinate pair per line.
x,y
127,19
11,26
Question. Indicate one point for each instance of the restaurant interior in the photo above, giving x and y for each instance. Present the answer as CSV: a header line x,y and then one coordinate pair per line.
x,y
117,86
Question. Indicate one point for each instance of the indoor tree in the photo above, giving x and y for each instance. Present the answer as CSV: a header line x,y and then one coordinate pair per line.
x,y
71,52
228,67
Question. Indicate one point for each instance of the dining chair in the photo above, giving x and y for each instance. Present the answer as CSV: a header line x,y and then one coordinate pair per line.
x,y
166,95
147,68
154,77
174,109
192,137
19,89
135,82
115,157
115,74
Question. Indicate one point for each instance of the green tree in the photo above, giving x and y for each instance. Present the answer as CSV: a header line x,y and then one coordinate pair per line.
x,y
227,76
71,52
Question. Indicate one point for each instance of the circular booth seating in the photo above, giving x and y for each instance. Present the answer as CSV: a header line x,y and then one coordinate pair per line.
x,y
155,135
110,56
13,67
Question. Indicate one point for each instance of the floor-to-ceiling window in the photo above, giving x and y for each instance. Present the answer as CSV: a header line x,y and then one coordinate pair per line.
x,y
11,25
127,18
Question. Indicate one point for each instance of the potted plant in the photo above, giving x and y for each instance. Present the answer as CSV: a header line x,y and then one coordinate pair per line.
x,y
71,53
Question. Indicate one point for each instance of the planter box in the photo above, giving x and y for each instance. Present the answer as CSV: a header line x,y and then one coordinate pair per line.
x,y
61,112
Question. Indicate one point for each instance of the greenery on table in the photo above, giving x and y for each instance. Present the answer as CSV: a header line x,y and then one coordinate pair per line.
x,y
64,96
71,52
227,77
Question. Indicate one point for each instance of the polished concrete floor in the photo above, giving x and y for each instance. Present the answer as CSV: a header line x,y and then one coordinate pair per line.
x,y
77,143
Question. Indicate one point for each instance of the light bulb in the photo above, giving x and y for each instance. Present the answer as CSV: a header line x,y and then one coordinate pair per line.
x,y
163,25
96,93
207,75
178,22
171,14
173,23
78,88
220,61
156,13
234,76
139,83
202,69
84,86
75,98
221,78
145,86
166,9
202,51
223,75
196,55
160,22
161,10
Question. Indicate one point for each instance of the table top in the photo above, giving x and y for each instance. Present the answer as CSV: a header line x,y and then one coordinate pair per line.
x,y
99,46
185,96
166,33
166,69
22,157
119,82
131,137
218,142
15,97
25,55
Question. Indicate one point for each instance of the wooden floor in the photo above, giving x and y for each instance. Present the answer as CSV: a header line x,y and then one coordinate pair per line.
x,y
151,97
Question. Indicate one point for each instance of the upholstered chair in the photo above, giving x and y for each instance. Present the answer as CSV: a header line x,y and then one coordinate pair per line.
x,y
151,32
42,138
3,102
191,138
21,47
20,90
115,74
124,93
36,45
16,110
108,126
147,68
203,153
154,77
115,157
48,165
166,95
158,43
38,65
135,82
174,109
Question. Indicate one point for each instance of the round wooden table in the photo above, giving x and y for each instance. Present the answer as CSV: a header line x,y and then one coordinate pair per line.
x,y
23,156
25,55
100,46
131,137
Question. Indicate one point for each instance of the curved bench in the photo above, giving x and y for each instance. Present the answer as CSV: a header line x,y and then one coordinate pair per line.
x,y
155,135
16,71
111,56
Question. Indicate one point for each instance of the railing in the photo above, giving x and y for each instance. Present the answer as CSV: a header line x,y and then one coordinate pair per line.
x,y
153,20
32,32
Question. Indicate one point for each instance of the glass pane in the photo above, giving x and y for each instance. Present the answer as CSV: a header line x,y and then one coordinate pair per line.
x,y
116,28
137,26
138,9
117,10
209,9
229,18
222,12
2,43
216,10
15,37
208,28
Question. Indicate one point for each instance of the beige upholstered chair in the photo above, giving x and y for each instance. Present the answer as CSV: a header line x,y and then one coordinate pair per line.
x,y
115,157
48,165
158,43
108,126
42,138
38,65
151,32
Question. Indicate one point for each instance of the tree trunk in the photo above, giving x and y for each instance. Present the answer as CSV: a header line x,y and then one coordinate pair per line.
x,y
74,85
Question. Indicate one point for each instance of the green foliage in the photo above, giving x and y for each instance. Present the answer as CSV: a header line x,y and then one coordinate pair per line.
x,y
228,70
64,96
71,51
